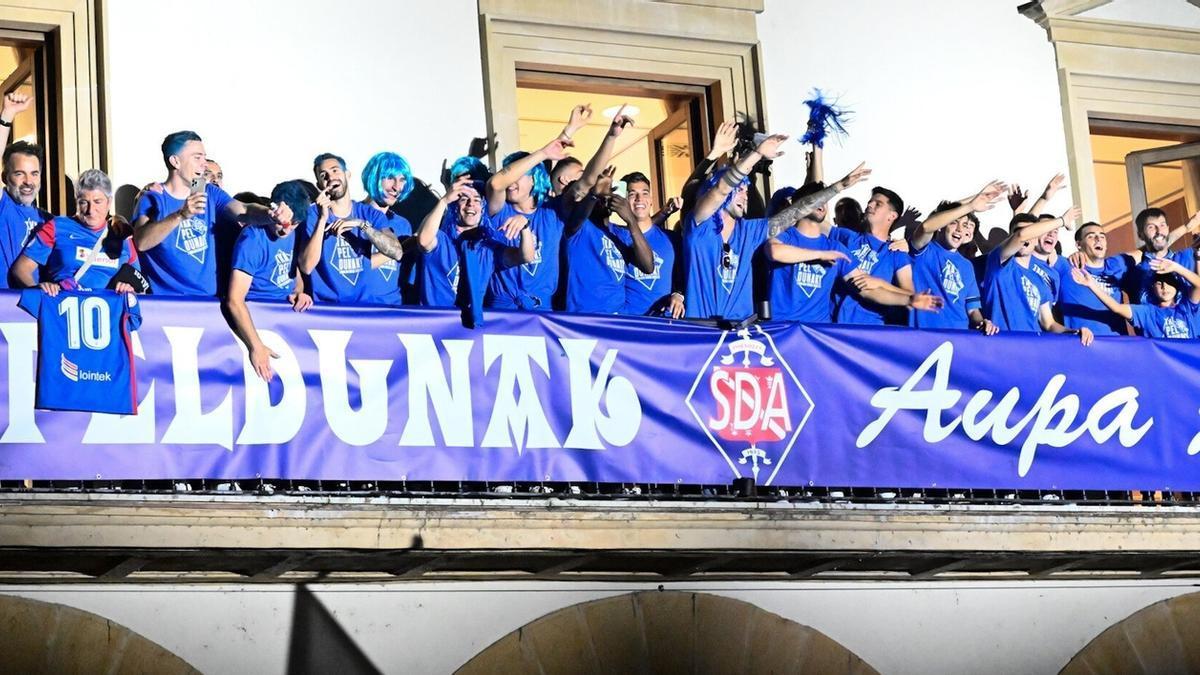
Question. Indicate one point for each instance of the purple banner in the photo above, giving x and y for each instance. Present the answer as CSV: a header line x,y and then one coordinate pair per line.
x,y
377,394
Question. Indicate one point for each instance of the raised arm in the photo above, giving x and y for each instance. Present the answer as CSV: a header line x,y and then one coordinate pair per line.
x,y
805,205
1052,189
517,226
596,165
981,201
1082,278
787,254
710,201
428,229
14,104
311,252
815,159
499,182
1018,199
1168,266
642,256
1191,227
1034,230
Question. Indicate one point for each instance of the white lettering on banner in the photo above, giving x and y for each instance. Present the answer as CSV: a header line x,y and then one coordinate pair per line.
x,y
624,418
519,413
191,425
22,344
265,423
354,427
1045,429
125,429
429,388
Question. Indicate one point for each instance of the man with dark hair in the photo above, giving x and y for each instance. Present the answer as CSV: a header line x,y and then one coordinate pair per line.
x,y
264,269
659,291
1171,314
1157,239
566,171
807,266
1077,304
19,217
337,250
175,229
872,250
214,174
1015,298
938,265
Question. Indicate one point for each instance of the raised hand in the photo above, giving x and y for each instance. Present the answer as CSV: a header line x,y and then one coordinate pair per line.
x,y
1081,277
557,148
1077,260
926,302
900,245
770,147
194,205
323,201
724,141
1071,216
674,204
15,103
580,115
603,186
988,196
1165,266
457,189
281,213
620,121
511,229
1016,197
1054,186
620,206
858,175
1193,225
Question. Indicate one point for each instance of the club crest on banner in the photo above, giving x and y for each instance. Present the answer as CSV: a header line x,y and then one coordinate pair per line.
x,y
749,403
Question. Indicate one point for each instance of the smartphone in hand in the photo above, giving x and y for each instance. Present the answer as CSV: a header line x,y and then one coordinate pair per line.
x,y
198,185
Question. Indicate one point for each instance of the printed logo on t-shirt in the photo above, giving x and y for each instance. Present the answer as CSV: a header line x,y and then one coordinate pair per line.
x,y
952,281
1176,328
82,254
1043,273
191,237
346,261
647,280
532,266
387,269
453,276
612,258
1032,295
30,225
281,275
809,277
867,258
728,271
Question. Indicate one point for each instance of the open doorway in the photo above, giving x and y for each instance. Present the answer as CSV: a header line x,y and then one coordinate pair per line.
x,y
668,135
1139,165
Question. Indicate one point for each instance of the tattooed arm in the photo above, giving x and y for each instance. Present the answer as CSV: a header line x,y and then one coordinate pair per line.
x,y
805,205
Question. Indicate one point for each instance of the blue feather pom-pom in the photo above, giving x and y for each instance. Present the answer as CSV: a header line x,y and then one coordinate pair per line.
x,y
825,117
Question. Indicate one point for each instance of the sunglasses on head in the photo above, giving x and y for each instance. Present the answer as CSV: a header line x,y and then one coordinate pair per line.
x,y
726,257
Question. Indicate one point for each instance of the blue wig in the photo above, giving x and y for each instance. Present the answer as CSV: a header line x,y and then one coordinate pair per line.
x,y
779,200
824,117
386,165
469,166
323,157
541,179
293,194
173,144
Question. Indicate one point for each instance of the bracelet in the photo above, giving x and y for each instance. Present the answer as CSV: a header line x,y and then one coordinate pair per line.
x,y
5,124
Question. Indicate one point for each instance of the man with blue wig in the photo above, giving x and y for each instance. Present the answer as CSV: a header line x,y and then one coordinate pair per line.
x,y
264,269
337,248
388,180
719,241
175,229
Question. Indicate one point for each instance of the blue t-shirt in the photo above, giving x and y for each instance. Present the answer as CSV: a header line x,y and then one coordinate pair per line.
x,y
85,354
596,269
1081,308
1051,275
804,291
457,271
1014,295
874,257
1140,277
268,259
950,275
1178,322
408,268
344,273
62,245
185,263
719,273
646,293
532,285
17,223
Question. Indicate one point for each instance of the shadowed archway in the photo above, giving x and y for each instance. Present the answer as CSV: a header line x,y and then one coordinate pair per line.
x,y
43,637
1161,638
665,632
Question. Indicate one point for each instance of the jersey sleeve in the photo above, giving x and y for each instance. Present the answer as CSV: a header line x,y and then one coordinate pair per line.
x,y
249,255
148,206
1142,315
41,244
31,301
133,309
